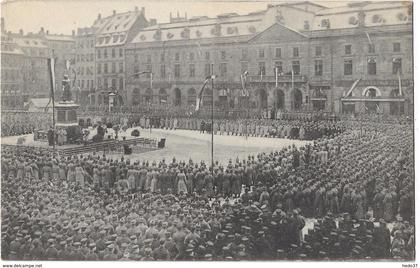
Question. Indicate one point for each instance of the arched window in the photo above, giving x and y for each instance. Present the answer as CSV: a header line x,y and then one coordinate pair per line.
x,y
371,92
92,99
177,97
280,99
192,96
297,99
262,98
136,96
148,96
163,96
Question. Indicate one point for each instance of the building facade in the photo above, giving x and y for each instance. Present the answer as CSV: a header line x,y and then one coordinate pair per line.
x,y
85,63
36,48
35,72
62,48
12,78
335,60
111,37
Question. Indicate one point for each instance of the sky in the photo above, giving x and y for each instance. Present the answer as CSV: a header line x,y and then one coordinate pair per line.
x,y
63,16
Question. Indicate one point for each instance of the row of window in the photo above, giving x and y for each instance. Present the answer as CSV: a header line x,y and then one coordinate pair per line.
x,y
10,89
371,66
11,75
262,53
296,67
396,47
81,70
85,44
104,83
82,83
36,52
84,57
104,53
223,56
113,66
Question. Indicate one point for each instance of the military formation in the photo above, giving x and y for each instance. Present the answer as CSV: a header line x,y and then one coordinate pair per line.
x,y
346,196
19,123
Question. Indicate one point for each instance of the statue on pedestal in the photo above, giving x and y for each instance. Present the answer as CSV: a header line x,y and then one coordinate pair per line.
x,y
66,97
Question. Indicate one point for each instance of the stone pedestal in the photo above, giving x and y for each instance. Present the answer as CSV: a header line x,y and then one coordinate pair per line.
x,y
66,114
66,119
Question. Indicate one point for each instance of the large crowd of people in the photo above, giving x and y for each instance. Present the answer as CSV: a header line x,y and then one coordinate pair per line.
x,y
355,187
20,123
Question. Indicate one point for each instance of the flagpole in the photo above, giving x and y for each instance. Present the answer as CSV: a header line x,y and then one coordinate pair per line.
x,y
53,108
52,94
212,118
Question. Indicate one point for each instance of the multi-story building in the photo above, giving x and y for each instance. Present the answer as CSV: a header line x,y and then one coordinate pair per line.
x,y
330,59
85,63
112,34
36,49
181,53
12,65
35,72
368,60
62,48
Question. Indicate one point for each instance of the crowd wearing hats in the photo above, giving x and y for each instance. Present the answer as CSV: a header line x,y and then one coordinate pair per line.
x,y
352,185
19,123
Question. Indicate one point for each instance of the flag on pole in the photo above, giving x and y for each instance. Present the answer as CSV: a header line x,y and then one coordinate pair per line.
x,y
74,79
68,65
200,94
293,79
352,87
368,37
151,80
399,84
51,72
243,81
277,76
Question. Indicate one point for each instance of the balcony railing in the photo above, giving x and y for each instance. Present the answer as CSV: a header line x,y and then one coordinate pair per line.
x,y
272,78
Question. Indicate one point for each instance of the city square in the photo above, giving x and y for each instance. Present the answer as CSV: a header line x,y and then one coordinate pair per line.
x,y
270,132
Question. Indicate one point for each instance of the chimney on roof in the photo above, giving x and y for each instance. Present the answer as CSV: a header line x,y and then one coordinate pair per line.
x,y
73,32
170,16
143,11
21,32
136,9
114,12
42,30
185,15
48,32
99,16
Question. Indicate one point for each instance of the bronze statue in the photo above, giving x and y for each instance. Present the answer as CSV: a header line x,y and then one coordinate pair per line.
x,y
66,89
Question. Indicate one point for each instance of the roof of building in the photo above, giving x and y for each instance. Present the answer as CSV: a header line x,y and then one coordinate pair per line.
x,y
373,13
33,42
13,50
113,30
85,31
59,37
299,16
224,25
